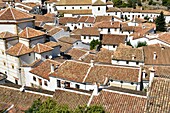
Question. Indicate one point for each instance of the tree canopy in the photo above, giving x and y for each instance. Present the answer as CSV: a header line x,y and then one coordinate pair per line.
x,y
160,23
50,106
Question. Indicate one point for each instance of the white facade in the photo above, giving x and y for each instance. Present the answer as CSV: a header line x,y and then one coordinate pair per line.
x,y
110,47
88,39
127,63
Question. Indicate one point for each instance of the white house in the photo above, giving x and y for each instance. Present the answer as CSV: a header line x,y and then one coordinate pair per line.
x,y
16,20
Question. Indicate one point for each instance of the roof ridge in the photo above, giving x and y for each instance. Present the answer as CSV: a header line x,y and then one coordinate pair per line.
x,y
20,49
38,47
4,11
12,13
87,19
5,34
27,32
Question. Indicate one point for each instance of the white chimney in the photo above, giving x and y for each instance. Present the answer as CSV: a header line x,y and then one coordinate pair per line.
x,y
52,68
152,74
125,43
96,89
154,56
143,74
92,63
106,80
133,57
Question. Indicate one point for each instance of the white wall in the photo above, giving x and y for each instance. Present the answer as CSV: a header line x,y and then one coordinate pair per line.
x,y
23,25
88,39
27,58
100,12
127,63
109,47
8,27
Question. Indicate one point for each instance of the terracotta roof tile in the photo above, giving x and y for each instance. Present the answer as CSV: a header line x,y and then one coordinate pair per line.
x,y
78,11
113,9
90,20
65,20
18,50
162,55
91,31
52,44
75,2
75,99
99,3
64,46
68,40
30,33
159,98
109,2
103,18
41,48
99,73
76,54
129,54
7,35
72,70
165,37
43,18
83,19
106,24
113,39
13,14
119,103
88,58
44,69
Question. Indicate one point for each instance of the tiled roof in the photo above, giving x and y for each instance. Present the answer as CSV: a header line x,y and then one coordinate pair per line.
x,y
90,20
18,50
119,103
99,3
77,11
165,37
68,40
73,3
76,31
31,4
43,18
83,19
13,14
113,39
64,46
50,15
30,33
41,48
88,58
158,100
21,100
72,70
72,99
65,20
7,34
129,54
103,18
162,55
91,31
44,69
104,56
48,27
113,9
106,24
76,53
109,3
54,30
52,44
99,73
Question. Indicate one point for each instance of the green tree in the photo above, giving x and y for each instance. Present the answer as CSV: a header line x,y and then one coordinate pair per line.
x,y
90,109
160,23
139,3
150,2
140,44
166,2
35,106
94,43
117,3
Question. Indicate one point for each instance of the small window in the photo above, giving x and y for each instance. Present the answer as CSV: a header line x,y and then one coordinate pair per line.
x,y
71,24
128,15
113,46
108,30
137,63
79,24
34,78
121,82
84,37
49,9
143,15
77,86
29,54
87,7
77,43
12,66
127,62
64,7
132,83
80,7
3,52
115,13
4,63
45,83
40,81
98,8
72,7
90,37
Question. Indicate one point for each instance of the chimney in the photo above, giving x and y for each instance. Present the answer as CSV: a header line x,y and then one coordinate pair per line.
x,y
52,68
125,43
106,80
152,74
143,74
133,57
154,56
96,89
92,63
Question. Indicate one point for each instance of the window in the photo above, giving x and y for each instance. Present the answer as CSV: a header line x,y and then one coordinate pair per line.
x,y
45,83
108,30
4,63
132,83
84,37
77,86
137,63
49,9
3,52
113,46
115,13
34,78
89,37
58,83
87,7
98,8
121,82
29,54
40,81
72,7
128,15
12,66
79,24
143,15
127,62
64,7
80,7
115,29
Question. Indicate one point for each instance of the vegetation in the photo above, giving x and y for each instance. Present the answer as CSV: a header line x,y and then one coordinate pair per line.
x,y
160,23
50,106
166,2
140,44
94,43
146,18
129,43
130,3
